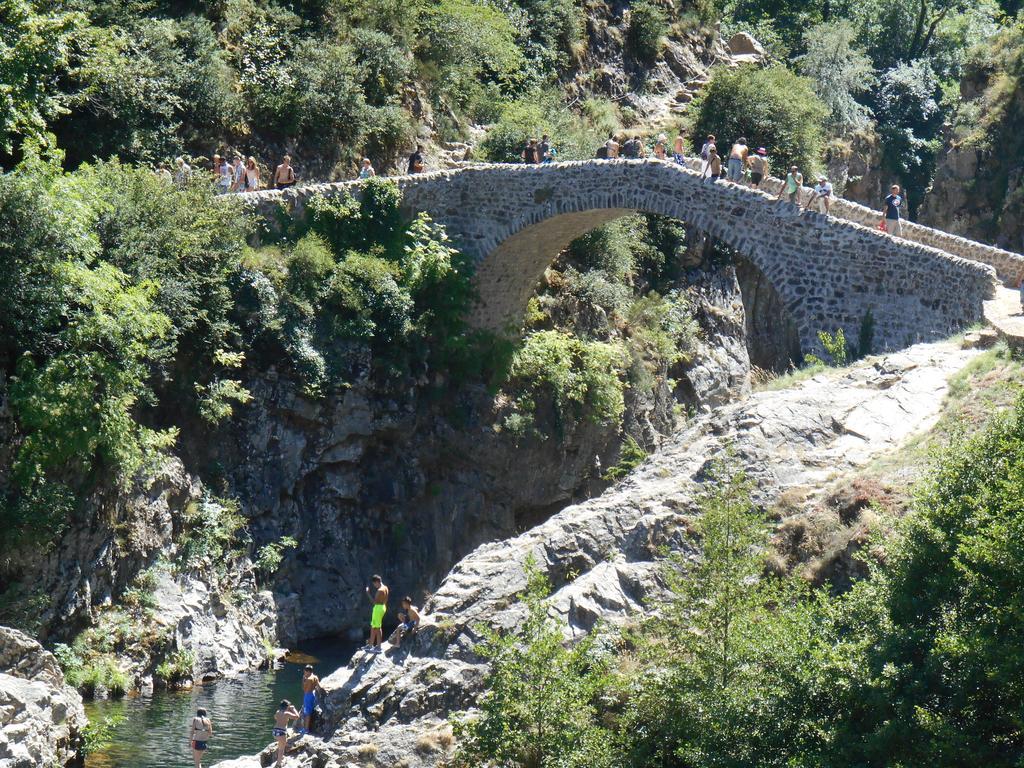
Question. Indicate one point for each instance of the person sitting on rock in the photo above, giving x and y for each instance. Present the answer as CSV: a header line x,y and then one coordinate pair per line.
x,y
284,715
378,595
310,684
410,620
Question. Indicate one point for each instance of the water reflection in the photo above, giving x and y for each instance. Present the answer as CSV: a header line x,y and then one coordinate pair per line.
x,y
154,733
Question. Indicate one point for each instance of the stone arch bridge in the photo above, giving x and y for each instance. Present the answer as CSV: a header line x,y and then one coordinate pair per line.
x,y
828,271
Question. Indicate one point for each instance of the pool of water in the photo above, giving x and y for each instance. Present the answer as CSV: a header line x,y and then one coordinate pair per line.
x,y
154,732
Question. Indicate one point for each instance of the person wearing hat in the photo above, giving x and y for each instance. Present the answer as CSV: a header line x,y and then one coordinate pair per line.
x,y
758,164
822,191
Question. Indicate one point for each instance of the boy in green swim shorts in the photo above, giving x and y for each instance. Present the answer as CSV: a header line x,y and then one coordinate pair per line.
x,y
378,595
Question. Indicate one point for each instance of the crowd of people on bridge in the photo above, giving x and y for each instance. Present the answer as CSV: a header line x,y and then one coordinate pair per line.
x,y
200,731
741,165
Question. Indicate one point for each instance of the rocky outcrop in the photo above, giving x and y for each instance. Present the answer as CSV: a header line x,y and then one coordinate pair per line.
x,y
602,556
854,167
405,485
137,538
979,175
41,718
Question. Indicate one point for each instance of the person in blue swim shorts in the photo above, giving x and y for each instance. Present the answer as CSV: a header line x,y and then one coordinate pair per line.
x,y
310,684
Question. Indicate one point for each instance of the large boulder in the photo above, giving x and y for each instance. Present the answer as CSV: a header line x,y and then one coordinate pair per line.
x,y
41,717
744,44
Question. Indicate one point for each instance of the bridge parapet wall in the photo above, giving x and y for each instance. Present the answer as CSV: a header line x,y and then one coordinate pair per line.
x,y
1009,266
830,272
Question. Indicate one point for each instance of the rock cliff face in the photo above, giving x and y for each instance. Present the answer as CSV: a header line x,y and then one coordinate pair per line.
x,y
124,533
406,487
41,718
602,555
978,189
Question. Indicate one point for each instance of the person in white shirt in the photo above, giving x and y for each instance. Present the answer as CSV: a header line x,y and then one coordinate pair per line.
x,y
821,191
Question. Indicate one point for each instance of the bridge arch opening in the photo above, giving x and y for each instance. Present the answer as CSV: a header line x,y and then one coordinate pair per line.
x,y
510,275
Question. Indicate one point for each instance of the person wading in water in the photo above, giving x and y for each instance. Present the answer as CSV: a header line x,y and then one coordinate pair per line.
x,y
199,735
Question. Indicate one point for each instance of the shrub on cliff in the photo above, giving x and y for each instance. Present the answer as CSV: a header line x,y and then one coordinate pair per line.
x,y
648,24
771,107
937,631
557,379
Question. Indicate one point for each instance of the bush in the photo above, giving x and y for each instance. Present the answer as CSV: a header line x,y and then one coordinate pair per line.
x,y
384,67
178,666
466,43
149,90
567,377
770,107
269,557
36,48
539,706
531,117
648,25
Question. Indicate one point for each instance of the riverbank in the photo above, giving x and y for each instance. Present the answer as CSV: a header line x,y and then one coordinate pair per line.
x,y
151,729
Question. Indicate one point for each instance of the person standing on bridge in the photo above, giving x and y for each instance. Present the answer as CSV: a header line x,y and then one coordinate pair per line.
x,y
713,167
758,163
284,174
794,180
891,211
660,148
545,150
529,153
737,160
709,144
416,161
367,171
612,147
252,175
678,151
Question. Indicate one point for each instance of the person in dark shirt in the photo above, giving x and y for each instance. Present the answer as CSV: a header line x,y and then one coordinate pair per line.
x,y
891,211
416,160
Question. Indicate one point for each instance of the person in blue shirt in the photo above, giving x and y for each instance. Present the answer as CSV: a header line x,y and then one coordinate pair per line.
x,y
891,211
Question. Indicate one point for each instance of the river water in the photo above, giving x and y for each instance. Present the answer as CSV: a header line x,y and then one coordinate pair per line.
x,y
154,732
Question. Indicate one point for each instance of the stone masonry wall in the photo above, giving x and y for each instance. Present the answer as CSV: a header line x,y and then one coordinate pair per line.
x,y
513,219
1008,265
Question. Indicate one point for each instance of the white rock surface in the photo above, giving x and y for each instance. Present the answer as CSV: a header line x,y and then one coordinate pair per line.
x,y
41,718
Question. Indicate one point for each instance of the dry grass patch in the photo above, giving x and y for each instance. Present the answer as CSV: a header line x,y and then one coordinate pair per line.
x,y
367,752
435,741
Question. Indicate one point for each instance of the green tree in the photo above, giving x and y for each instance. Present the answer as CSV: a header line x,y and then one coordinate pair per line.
x,y
35,48
539,705
938,628
840,72
770,107
906,106
732,675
